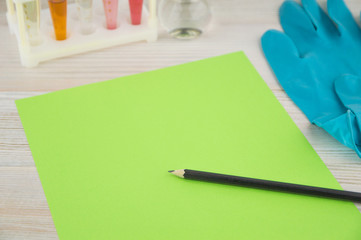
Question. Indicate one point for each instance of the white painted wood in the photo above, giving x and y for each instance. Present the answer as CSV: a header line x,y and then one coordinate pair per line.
x,y
237,25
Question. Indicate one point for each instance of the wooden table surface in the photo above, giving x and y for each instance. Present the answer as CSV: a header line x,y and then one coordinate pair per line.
x,y
236,25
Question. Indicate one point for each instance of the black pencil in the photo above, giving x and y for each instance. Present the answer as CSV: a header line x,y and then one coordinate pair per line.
x,y
268,185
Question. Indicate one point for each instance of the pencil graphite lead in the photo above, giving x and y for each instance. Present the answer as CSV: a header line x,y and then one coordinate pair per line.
x,y
171,171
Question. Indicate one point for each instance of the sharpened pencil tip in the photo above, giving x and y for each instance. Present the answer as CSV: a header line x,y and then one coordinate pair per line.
x,y
178,173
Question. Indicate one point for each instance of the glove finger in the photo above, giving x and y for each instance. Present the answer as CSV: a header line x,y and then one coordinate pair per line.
x,y
291,71
298,26
280,52
339,13
323,24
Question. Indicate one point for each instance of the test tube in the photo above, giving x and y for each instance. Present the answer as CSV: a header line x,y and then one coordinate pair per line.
x,y
85,13
10,7
111,13
28,14
32,21
58,10
135,11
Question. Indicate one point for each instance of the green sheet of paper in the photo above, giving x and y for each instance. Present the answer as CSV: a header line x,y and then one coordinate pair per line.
x,y
103,150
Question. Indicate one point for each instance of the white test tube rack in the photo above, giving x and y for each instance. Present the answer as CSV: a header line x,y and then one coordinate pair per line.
x,y
78,42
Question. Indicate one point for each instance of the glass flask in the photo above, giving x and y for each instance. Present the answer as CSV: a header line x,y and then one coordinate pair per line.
x,y
184,19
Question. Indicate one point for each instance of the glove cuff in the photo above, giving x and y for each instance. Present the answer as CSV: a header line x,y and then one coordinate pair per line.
x,y
345,129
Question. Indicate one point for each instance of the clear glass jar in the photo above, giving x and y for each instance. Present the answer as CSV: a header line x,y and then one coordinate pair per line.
x,y
184,19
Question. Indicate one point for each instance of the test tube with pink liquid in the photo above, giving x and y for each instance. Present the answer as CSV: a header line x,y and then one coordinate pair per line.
x,y
111,13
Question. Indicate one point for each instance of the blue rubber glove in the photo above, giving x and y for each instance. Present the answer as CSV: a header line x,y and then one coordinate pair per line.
x,y
317,60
